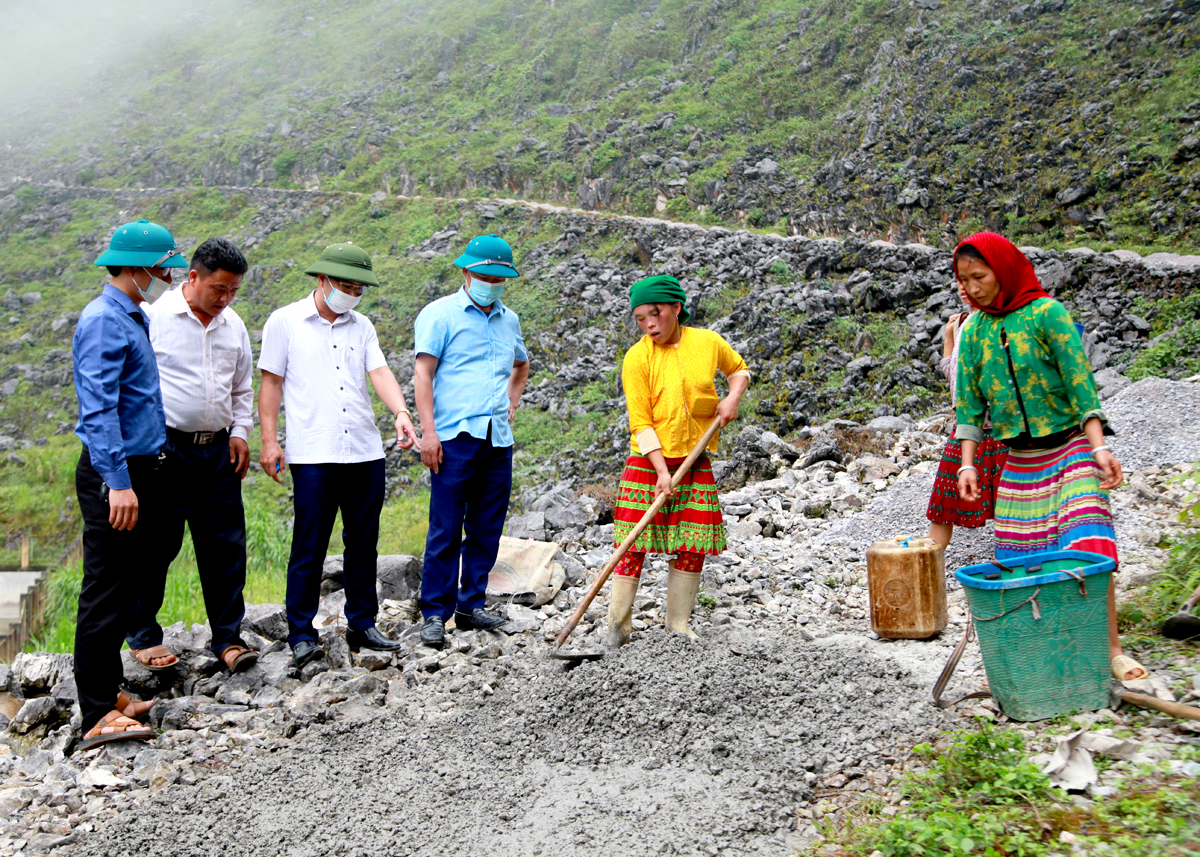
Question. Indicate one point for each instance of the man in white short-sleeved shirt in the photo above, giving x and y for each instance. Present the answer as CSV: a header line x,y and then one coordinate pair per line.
x,y
317,355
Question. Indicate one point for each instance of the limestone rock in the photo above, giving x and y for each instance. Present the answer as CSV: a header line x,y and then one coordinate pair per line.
x,y
266,620
398,577
40,671
40,711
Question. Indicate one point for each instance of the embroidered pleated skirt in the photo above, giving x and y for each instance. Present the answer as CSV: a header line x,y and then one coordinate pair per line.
x,y
945,506
690,521
1051,500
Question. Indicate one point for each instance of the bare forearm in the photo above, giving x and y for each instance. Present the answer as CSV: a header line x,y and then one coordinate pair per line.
x,y
388,389
1094,429
269,398
423,393
517,381
738,385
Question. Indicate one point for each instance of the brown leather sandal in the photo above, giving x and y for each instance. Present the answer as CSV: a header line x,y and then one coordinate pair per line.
x,y
243,658
129,730
133,708
145,656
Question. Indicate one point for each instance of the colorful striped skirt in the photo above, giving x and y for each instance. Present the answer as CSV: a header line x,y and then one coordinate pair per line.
x,y
1051,500
945,506
690,521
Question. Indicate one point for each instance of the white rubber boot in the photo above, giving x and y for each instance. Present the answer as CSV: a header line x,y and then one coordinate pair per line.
x,y
620,610
682,587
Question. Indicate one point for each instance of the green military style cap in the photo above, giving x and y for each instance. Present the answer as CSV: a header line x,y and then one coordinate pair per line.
x,y
345,261
142,244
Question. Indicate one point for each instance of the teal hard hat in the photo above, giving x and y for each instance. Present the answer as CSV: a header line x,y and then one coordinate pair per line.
x,y
489,255
142,245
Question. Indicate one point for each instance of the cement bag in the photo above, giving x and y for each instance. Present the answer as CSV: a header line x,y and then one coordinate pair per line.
x,y
525,572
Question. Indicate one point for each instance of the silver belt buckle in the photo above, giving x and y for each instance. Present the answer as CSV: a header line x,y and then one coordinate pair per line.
x,y
203,438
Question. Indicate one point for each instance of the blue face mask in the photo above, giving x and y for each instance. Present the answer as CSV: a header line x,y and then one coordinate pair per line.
x,y
484,294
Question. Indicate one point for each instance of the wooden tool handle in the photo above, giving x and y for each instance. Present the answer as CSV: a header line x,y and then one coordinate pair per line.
x,y
1193,599
654,509
1175,709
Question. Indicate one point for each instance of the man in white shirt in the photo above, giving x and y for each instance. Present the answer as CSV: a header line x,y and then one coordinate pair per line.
x,y
204,368
317,355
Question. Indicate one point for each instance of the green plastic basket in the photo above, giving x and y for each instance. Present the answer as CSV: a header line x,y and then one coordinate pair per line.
x,y
1043,631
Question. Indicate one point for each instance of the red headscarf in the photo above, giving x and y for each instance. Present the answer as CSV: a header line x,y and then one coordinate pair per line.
x,y
1018,283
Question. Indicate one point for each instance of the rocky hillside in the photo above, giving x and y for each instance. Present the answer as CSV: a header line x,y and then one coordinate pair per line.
x,y
1059,122
833,329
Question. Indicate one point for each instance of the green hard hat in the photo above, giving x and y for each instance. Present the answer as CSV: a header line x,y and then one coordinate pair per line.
x,y
489,255
345,261
142,244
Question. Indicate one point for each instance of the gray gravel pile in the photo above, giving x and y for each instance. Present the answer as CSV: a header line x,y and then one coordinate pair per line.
x,y
668,747
901,510
1157,422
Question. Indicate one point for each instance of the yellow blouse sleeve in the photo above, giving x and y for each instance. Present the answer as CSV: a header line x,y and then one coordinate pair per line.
x,y
729,361
635,378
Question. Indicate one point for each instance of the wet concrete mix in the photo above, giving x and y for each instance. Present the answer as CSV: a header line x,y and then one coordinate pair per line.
x,y
668,747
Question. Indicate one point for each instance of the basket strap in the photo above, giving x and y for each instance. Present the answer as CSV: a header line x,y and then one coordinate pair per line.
x,y
939,687
1031,600
1075,574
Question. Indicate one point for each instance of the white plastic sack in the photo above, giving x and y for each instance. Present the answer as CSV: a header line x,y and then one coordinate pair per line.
x,y
525,572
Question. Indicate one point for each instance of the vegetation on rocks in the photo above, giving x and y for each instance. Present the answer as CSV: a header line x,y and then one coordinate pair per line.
x,y
1058,122
980,795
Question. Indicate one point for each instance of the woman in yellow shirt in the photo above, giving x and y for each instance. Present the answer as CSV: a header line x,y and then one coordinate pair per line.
x,y
668,377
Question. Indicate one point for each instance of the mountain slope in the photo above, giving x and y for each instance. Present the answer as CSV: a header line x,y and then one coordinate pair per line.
x,y
1059,121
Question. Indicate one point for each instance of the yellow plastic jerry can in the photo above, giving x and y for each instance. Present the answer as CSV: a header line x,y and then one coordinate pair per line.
x,y
906,578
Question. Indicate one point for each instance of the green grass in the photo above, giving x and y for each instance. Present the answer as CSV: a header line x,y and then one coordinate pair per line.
x,y
37,495
981,797
1145,611
37,498
268,539
442,94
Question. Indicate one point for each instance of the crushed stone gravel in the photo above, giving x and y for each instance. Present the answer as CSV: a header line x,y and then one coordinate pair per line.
x,y
1156,422
668,747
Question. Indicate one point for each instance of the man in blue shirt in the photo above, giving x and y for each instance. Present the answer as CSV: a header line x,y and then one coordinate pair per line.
x,y
123,429
470,372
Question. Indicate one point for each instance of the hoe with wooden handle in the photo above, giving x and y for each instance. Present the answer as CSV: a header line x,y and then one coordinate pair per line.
x,y
600,578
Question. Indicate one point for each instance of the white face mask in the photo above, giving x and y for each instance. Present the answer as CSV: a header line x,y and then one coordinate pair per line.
x,y
154,291
339,301
484,294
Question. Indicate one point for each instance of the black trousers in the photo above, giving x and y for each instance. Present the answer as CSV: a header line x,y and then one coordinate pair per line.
x,y
320,490
114,568
205,492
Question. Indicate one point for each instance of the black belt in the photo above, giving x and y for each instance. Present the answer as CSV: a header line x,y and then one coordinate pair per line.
x,y
197,438
1024,442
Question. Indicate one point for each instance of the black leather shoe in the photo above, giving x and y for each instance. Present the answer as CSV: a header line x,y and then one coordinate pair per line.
x,y
433,632
304,652
477,620
371,639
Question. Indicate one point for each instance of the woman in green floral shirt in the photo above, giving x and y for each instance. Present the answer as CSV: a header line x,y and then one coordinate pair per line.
x,y
1022,357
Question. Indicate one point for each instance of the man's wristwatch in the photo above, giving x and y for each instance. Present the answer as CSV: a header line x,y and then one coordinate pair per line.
x,y
404,411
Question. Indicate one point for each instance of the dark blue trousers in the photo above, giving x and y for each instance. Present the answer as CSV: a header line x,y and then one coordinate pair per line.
x,y
320,490
469,493
202,489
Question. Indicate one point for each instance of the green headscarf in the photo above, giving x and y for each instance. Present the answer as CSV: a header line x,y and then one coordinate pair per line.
x,y
663,289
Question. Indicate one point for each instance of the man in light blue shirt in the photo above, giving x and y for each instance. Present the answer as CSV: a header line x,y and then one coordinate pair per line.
x,y
471,370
